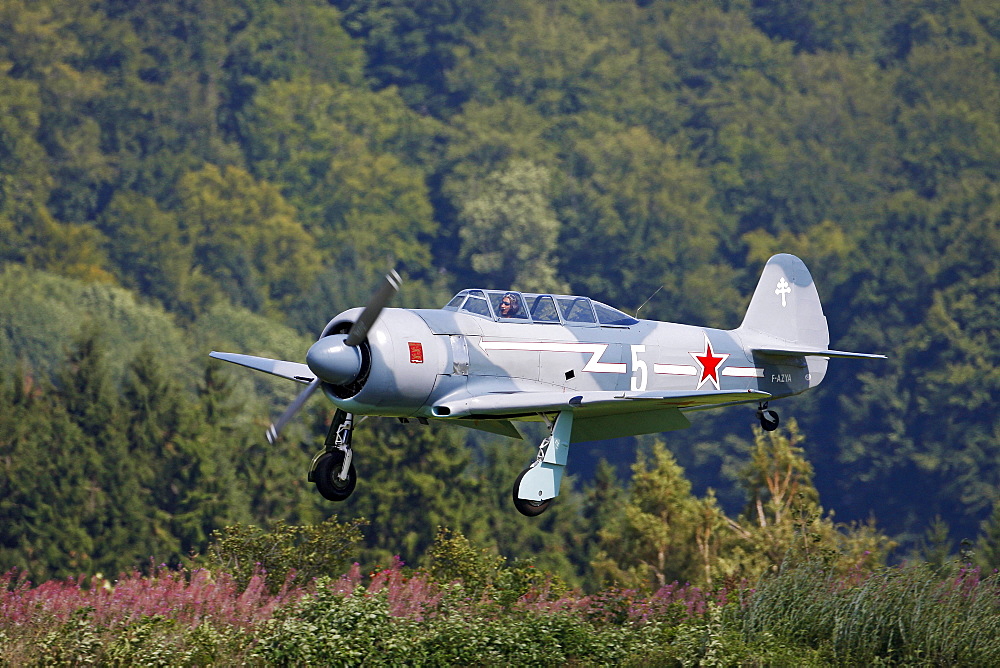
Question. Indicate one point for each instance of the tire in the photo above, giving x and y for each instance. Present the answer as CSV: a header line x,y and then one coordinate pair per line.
x,y
526,507
768,420
325,475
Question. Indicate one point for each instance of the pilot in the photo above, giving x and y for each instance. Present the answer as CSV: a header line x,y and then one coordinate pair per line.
x,y
510,306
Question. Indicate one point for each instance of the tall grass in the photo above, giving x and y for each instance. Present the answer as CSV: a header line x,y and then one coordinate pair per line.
x,y
908,615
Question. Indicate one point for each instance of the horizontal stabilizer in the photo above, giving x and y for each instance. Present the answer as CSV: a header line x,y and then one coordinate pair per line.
x,y
290,370
803,352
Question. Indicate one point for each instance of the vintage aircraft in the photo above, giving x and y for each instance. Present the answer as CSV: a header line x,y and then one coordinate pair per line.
x,y
491,358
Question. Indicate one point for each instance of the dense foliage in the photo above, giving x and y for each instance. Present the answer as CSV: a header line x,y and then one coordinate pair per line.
x,y
177,177
456,612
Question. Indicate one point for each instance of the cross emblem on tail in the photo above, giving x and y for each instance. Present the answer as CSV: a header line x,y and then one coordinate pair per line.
x,y
783,289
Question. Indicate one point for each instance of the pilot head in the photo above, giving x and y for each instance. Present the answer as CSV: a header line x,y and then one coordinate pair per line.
x,y
510,306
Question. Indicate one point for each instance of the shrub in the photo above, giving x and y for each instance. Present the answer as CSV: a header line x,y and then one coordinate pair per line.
x,y
286,555
330,628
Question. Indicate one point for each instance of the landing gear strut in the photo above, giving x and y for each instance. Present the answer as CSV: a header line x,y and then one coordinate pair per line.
x,y
768,419
333,469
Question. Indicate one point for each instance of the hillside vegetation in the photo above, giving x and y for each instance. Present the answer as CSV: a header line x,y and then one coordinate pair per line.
x,y
228,174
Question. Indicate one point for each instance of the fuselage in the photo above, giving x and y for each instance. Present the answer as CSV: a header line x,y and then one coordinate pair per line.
x,y
419,361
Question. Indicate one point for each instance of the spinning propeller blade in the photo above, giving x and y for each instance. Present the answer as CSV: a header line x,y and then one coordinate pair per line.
x,y
359,330
293,408
386,291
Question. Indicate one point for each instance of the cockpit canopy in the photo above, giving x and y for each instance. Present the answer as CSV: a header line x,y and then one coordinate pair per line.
x,y
527,307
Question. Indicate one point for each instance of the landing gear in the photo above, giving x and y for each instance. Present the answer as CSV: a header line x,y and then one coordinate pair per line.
x,y
768,419
333,469
539,483
527,507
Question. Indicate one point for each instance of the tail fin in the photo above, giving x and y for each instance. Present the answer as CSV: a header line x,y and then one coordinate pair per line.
x,y
785,312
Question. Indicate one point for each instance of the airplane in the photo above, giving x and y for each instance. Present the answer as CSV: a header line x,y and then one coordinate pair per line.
x,y
492,358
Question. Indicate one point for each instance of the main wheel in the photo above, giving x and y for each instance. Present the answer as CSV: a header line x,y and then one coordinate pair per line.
x,y
326,475
768,420
527,507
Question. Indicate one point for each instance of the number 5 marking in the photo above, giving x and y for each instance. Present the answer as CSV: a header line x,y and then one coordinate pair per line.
x,y
641,376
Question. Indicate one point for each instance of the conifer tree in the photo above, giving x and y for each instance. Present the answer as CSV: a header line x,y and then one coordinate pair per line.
x,y
987,551
655,541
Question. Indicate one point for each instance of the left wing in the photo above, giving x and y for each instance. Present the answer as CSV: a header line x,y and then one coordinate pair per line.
x,y
598,402
597,415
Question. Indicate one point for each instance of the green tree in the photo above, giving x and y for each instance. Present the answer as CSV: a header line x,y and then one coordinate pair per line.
x,y
152,254
783,518
987,552
47,498
841,25
568,58
188,484
664,533
509,230
43,44
117,519
641,215
407,467
245,237
413,46
935,546
24,178
334,163
291,40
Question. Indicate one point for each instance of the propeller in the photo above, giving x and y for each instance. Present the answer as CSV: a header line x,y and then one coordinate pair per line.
x,y
386,291
336,358
275,428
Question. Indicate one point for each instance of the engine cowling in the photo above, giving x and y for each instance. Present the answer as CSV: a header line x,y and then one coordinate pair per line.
x,y
391,373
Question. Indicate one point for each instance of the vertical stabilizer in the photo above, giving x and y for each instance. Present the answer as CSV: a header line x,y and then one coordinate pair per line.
x,y
785,307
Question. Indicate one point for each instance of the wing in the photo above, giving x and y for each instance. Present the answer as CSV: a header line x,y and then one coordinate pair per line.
x,y
290,370
512,405
598,414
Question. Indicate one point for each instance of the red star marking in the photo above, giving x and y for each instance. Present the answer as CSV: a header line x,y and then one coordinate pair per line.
x,y
710,363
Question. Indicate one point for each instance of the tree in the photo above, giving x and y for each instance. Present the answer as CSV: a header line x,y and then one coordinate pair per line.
x,y
151,253
987,552
245,237
341,167
47,498
407,467
783,519
639,215
24,178
509,229
182,464
664,533
413,46
293,40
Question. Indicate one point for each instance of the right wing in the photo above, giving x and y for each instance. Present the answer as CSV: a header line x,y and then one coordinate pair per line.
x,y
290,370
